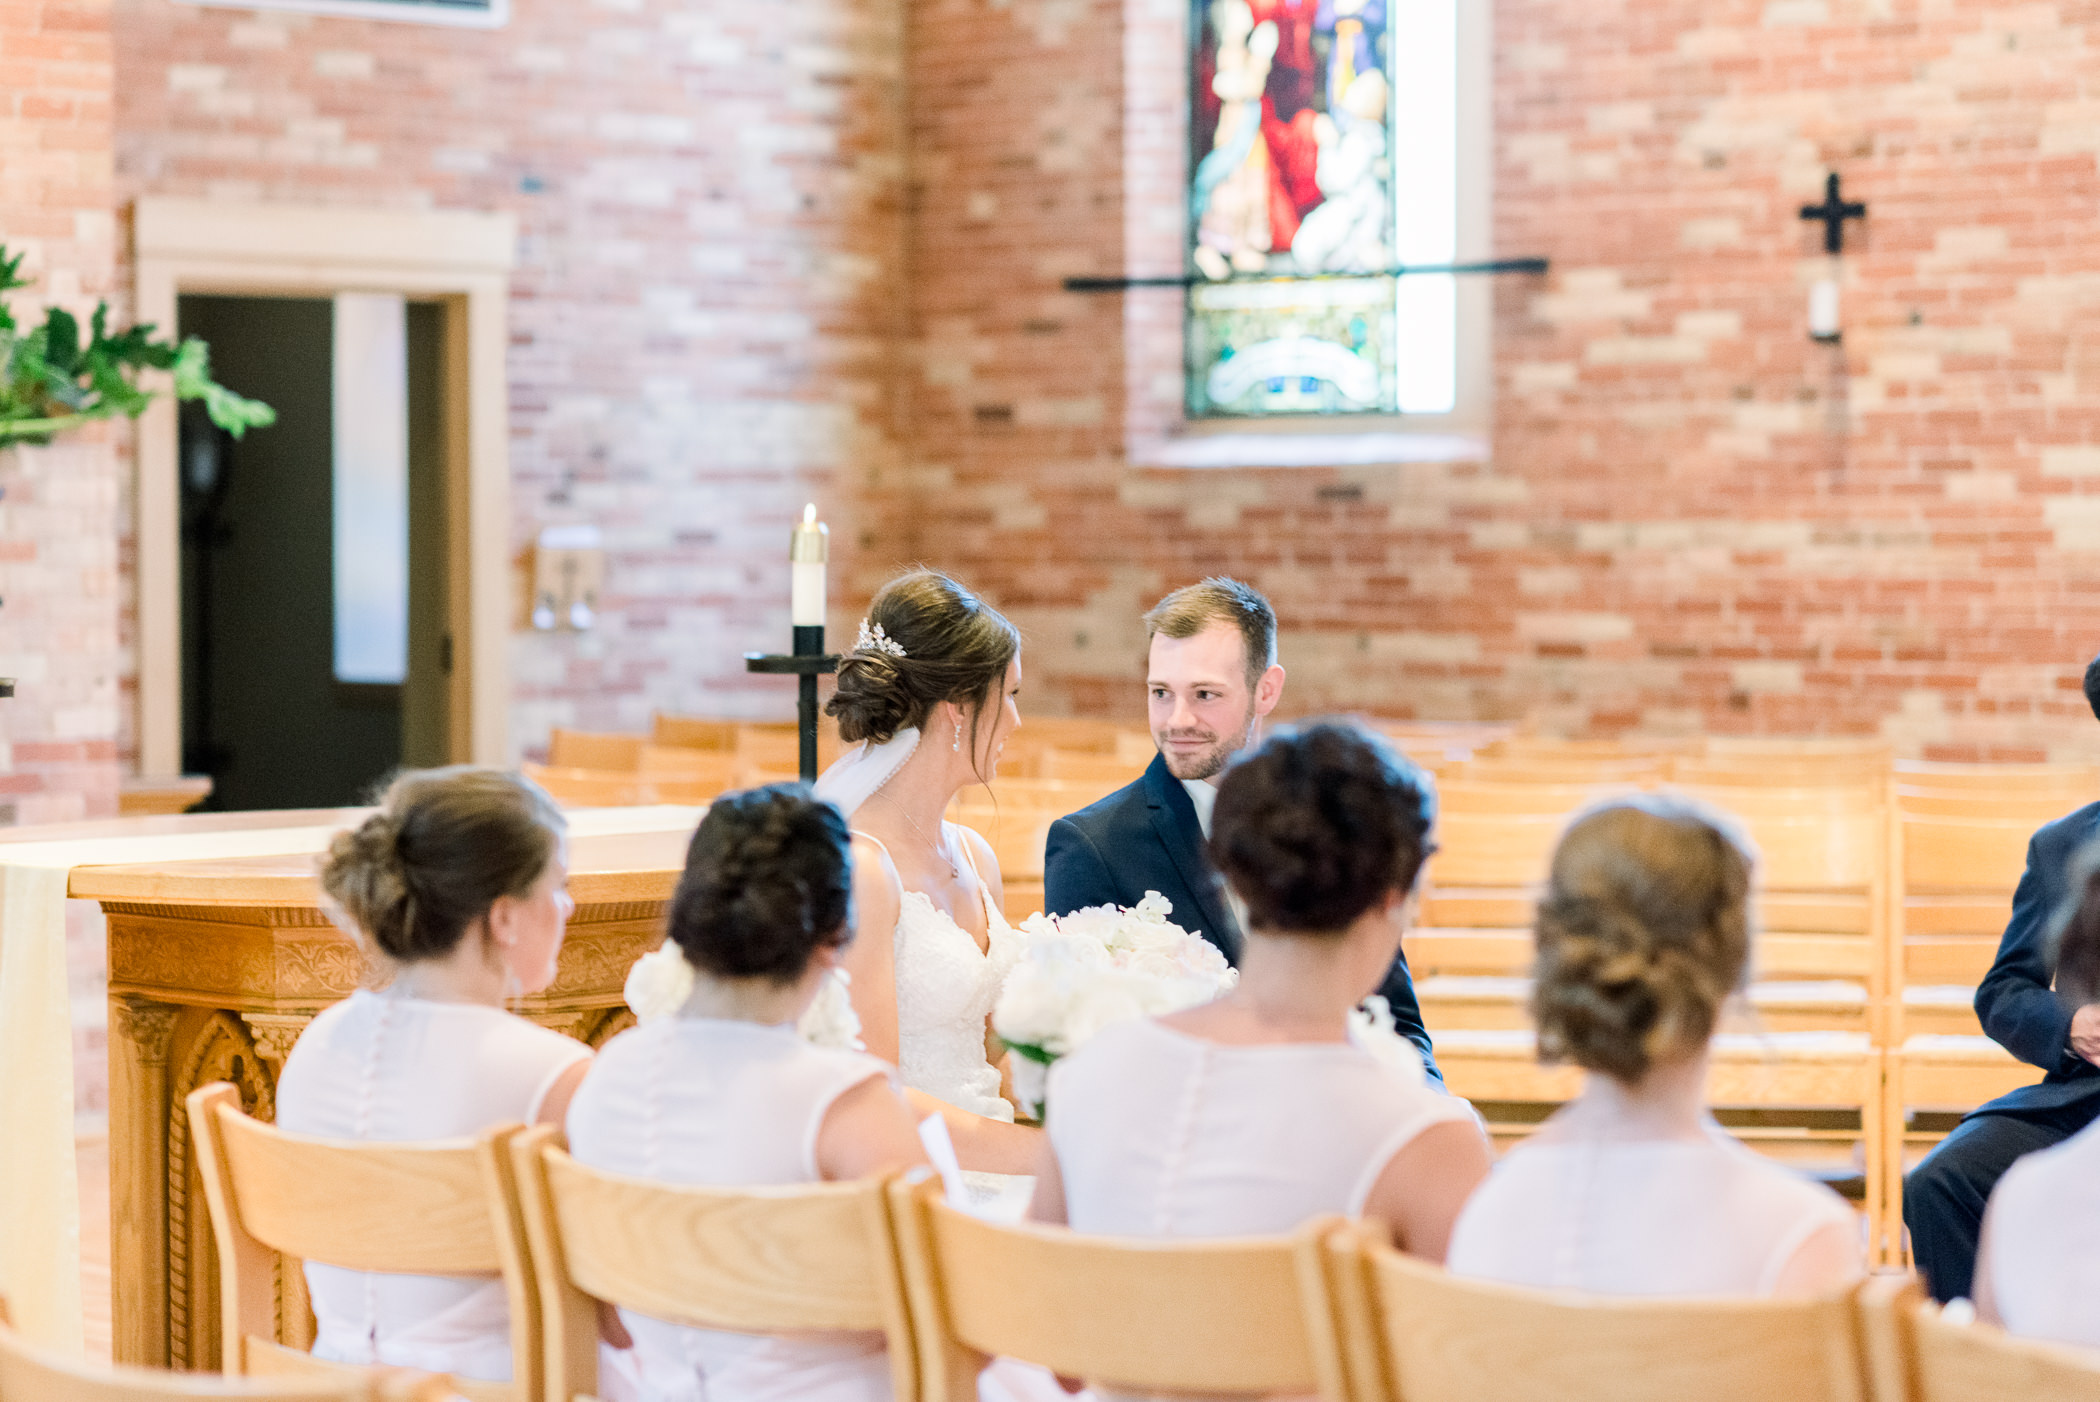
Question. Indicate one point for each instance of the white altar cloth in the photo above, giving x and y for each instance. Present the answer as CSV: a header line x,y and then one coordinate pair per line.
x,y
39,1186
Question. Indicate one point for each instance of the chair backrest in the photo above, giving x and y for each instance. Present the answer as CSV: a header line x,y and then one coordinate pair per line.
x,y
1086,766
753,1260
1823,879
1958,880
1781,770
719,767
1914,1354
32,1374
692,732
2070,779
587,749
591,788
1965,1362
1241,1316
1526,768
446,1208
1428,1336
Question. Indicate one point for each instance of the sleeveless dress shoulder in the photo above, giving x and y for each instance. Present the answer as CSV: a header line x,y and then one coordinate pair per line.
x,y
946,987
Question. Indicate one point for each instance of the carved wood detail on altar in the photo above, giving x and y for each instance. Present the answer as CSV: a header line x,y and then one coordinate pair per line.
x,y
220,993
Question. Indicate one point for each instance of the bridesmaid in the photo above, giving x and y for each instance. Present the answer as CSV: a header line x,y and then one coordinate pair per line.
x,y
457,884
1631,1188
727,1094
1259,1111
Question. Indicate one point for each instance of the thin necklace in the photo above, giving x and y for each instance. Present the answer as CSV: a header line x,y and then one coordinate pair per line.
x,y
939,849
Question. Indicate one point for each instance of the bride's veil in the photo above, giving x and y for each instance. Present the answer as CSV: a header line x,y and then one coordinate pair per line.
x,y
859,772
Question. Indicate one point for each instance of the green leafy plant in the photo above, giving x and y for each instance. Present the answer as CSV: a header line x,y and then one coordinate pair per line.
x,y
51,380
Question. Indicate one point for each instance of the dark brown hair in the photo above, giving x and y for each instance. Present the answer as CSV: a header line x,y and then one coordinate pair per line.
x,y
1643,932
956,648
1191,609
445,843
1320,824
768,881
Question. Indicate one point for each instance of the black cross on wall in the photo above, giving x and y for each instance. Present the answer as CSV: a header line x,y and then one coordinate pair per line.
x,y
1833,212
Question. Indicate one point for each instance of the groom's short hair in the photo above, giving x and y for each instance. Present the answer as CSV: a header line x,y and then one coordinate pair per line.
x,y
1191,609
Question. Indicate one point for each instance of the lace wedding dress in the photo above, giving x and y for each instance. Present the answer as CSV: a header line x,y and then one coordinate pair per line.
x,y
946,987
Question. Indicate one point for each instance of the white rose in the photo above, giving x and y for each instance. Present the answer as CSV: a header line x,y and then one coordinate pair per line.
x,y
659,983
830,1020
1371,1029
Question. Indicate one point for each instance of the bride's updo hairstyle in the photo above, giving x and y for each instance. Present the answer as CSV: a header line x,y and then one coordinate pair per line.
x,y
422,871
768,882
956,648
1319,825
1643,932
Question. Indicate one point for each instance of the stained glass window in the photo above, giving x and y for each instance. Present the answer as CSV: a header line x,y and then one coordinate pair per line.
x,y
1324,152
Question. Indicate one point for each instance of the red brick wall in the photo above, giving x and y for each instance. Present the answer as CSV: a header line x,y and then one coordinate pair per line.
x,y
58,504
1693,517
704,308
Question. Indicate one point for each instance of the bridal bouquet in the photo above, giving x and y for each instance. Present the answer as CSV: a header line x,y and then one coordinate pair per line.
x,y
661,981
1079,973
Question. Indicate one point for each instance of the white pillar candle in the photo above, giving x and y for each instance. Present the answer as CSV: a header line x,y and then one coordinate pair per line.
x,y
808,549
1823,319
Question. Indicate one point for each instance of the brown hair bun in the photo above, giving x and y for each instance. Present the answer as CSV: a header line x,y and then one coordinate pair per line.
x,y
1643,932
956,648
445,843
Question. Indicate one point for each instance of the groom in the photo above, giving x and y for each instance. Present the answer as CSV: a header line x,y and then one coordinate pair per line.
x,y
1211,677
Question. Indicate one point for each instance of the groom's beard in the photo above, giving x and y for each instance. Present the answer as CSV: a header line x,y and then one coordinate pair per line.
x,y
1202,754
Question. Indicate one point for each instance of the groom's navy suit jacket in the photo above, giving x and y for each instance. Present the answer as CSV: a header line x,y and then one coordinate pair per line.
x,y
2017,1001
1146,838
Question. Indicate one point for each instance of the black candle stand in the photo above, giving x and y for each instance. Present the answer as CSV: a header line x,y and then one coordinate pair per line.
x,y
807,662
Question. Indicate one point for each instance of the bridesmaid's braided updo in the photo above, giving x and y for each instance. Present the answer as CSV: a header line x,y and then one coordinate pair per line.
x,y
768,881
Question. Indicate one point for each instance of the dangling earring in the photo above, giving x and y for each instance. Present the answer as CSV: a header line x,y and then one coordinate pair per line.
x,y
957,746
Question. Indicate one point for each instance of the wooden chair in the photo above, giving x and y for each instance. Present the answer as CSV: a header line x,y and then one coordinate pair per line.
x,y
1496,767
2079,781
1810,1063
423,1209
584,749
1781,770
32,1374
1916,1355
1418,1334
591,788
1084,766
693,732
777,748
719,767
1238,1316
1019,837
755,1260
1958,876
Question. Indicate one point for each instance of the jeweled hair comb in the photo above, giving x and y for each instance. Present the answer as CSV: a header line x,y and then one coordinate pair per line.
x,y
873,639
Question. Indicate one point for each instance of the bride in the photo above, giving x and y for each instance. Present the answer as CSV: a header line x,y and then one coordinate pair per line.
x,y
929,690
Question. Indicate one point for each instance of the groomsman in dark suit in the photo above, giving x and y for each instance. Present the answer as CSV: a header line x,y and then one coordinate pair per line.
x,y
1944,1197
1212,677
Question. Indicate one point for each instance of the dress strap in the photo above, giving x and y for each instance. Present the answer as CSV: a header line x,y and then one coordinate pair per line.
x,y
984,890
856,832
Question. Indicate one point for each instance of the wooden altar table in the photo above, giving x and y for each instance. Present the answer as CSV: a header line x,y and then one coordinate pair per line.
x,y
214,968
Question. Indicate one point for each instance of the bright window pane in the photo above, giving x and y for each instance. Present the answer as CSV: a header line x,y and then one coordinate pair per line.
x,y
371,488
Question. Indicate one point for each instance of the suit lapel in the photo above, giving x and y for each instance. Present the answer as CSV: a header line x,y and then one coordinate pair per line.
x,y
1174,818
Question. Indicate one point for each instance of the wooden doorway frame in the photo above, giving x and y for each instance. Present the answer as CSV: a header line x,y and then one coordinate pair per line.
x,y
458,259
